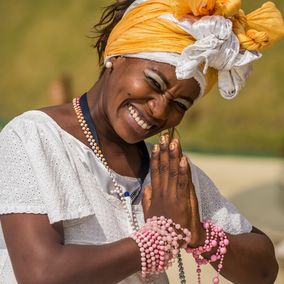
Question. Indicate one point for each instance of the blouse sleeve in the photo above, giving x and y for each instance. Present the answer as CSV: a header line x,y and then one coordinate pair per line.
x,y
213,206
19,190
37,174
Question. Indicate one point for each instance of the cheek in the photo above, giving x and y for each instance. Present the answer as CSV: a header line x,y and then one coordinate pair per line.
x,y
174,119
138,88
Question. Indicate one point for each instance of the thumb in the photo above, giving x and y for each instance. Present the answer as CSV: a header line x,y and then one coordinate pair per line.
x,y
147,197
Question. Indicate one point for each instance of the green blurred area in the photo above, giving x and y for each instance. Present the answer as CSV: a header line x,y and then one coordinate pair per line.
x,y
43,40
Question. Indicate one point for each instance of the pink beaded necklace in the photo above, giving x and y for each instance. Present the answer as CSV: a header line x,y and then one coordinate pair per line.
x,y
124,198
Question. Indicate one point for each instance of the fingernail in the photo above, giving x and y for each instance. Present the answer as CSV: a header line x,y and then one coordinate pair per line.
x,y
172,146
162,139
176,141
183,162
155,148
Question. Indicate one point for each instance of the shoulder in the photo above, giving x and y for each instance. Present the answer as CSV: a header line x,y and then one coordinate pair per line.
x,y
29,125
202,177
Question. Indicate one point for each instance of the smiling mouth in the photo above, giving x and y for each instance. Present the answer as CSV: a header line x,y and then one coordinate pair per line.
x,y
139,120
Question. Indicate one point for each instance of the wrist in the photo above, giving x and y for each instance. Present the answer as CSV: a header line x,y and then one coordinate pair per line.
x,y
159,244
213,249
198,237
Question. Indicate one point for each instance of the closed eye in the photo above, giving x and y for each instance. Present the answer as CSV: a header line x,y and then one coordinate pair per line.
x,y
154,83
155,80
182,104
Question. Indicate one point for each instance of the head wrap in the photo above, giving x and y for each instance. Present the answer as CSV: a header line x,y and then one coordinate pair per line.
x,y
209,40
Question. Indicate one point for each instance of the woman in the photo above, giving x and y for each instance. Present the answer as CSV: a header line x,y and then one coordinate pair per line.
x,y
77,182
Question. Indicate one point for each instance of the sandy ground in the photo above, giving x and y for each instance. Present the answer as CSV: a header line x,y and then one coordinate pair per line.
x,y
235,176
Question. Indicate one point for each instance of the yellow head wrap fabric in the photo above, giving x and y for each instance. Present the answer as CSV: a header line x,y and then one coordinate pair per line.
x,y
221,38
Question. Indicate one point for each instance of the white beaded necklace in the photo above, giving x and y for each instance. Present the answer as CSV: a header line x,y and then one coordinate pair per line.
x,y
123,196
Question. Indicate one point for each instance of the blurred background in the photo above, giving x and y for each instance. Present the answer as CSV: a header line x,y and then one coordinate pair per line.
x,y
46,58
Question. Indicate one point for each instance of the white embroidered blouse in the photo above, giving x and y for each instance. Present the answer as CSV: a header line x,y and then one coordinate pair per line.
x,y
45,170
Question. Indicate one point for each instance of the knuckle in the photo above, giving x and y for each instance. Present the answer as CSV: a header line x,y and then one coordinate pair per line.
x,y
182,172
154,156
164,167
182,184
164,147
173,173
173,154
154,171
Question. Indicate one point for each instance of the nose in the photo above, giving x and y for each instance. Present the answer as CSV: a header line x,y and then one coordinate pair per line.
x,y
159,107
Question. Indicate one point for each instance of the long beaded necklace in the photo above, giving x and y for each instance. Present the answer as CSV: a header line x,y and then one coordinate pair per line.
x,y
123,195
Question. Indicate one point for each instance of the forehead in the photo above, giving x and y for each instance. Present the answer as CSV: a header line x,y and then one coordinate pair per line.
x,y
188,87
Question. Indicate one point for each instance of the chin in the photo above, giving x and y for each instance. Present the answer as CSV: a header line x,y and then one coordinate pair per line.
x,y
131,137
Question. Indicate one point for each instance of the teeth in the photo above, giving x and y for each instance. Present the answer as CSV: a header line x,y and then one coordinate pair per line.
x,y
136,117
145,126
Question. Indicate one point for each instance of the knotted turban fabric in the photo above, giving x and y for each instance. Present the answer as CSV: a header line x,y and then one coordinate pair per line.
x,y
209,40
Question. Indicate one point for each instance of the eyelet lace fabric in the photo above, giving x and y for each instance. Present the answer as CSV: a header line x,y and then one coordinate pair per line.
x,y
45,170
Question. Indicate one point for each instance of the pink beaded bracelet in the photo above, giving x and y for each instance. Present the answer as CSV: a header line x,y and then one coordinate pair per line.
x,y
215,237
158,241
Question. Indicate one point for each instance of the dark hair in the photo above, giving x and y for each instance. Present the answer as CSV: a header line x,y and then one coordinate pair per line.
x,y
112,14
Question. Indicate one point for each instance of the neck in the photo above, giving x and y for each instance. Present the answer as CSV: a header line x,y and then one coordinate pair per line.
x,y
105,132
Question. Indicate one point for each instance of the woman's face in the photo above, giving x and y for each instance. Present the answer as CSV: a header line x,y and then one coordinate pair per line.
x,y
142,97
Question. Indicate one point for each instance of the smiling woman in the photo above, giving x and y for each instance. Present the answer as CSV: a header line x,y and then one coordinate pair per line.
x,y
84,199
147,88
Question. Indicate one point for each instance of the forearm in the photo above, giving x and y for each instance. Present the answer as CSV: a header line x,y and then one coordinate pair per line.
x,y
39,256
249,259
86,264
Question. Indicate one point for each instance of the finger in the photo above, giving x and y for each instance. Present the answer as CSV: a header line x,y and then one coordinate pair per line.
x,y
183,179
193,197
173,169
178,147
194,204
146,200
154,170
164,163
188,168
195,222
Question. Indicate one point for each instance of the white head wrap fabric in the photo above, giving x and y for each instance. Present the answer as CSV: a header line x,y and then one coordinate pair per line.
x,y
216,46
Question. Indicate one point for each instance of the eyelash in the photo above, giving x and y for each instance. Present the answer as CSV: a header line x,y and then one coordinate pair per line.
x,y
181,106
154,83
